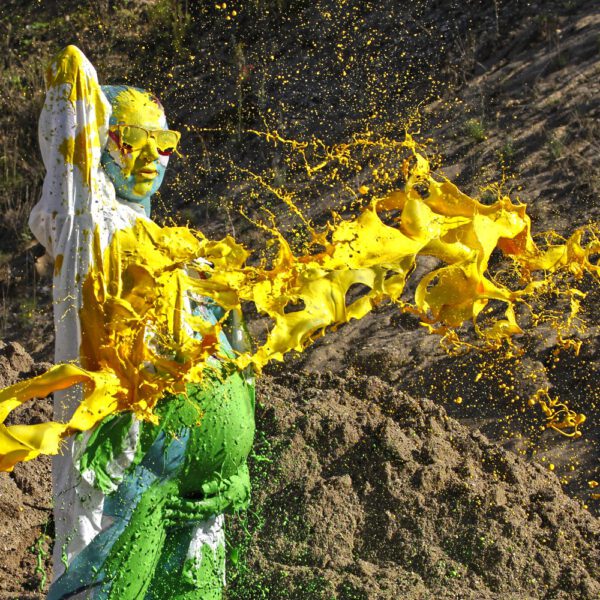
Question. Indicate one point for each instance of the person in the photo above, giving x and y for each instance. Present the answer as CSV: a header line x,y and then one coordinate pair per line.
x,y
138,507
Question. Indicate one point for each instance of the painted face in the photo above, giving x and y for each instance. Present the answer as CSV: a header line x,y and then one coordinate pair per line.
x,y
136,169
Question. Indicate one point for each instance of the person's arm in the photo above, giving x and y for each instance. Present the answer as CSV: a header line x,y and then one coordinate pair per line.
x,y
72,131
219,495
73,128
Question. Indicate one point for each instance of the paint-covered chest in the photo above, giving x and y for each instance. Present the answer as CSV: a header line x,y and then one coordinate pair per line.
x,y
217,420
202,435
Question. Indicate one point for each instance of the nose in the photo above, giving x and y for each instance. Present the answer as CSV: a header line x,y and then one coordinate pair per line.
x,y
150,150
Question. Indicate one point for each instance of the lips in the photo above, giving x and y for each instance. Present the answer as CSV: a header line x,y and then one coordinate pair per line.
x,y
147,173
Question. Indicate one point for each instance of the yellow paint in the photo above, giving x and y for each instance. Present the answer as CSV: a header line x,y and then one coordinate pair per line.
x,y
58,263
24,442
135,348
78,150
134,108
557,414
65,70
138,108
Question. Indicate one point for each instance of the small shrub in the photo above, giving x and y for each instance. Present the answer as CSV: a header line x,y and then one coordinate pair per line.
x,y
475,130
506,154
555,147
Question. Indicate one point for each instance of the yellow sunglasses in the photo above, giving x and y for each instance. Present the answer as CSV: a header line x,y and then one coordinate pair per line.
x,y
132,137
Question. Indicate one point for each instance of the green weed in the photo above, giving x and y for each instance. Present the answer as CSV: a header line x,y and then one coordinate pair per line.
x,y
555,146
506,154
475,130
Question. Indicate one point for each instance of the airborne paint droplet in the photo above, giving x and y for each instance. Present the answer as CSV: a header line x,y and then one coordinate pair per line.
x,y
151,269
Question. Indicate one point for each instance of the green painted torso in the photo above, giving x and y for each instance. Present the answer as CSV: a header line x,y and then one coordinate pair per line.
x,y
219,414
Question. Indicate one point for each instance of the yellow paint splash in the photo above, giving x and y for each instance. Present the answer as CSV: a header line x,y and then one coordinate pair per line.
x,y
137,338
77,150
557,414
138,108
66,71
24,442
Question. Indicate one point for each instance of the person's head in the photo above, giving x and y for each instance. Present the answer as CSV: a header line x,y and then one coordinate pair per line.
x,y
139,143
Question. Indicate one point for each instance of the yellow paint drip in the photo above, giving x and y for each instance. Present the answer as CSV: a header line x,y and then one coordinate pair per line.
x,y
65,71
77,150
136,347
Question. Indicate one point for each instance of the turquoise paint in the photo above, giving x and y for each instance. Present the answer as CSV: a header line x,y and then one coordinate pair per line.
x,y
124,184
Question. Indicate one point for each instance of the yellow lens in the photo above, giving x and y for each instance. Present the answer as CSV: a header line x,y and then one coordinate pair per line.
x,y
133,136
166,140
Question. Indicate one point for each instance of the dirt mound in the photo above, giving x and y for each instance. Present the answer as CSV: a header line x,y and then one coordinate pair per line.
x,y
360,491
25,501
367,493
13,361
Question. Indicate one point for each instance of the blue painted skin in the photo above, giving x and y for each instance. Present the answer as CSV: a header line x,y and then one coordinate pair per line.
x,y
124,185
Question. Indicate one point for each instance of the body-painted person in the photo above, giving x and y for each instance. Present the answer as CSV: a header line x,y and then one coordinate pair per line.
x,y
138,507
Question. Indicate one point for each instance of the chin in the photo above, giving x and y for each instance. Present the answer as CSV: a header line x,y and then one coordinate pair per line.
x,y
142,192
127,193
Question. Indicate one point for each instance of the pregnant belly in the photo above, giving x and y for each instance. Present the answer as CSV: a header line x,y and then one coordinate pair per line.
x,y
219,415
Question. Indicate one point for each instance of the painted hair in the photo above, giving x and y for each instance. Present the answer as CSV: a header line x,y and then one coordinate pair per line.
x,y
120,93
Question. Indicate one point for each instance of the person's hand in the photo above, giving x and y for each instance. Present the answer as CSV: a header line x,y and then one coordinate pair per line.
x,y
219,495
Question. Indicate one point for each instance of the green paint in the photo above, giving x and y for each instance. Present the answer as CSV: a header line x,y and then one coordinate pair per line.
x,y
245,583
207,574
220,415
104,446
135,555
64,557
39,550
146,560
202,581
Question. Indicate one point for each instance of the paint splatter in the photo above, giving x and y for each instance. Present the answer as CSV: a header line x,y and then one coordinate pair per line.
x,y
138,341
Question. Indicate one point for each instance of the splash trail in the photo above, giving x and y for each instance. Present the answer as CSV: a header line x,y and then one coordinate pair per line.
x,y
138,342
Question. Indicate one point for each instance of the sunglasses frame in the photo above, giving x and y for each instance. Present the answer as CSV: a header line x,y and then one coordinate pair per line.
x,y
115,134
